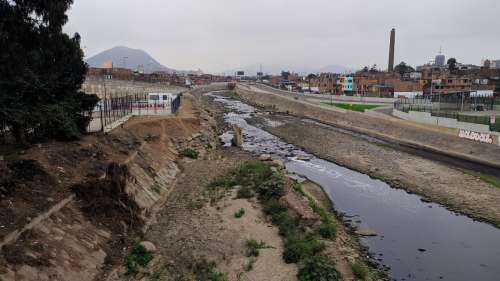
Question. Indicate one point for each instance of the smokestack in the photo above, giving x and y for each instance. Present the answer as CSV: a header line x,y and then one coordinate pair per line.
x,y
391,50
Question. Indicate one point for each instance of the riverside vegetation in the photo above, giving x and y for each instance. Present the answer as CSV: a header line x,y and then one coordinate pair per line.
x,y
302,244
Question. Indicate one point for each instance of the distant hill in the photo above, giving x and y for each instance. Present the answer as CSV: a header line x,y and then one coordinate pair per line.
x,y
128,58
276,69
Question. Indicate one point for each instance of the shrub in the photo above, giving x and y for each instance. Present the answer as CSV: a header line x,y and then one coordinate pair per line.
x,y
190,153
287,224
273,206
240,213
253,247
138,257
359,270
205,271
317,268
328,230
273,187
244,192
299,248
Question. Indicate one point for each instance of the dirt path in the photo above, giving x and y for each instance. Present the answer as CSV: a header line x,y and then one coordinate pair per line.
x,y
433,180
190,228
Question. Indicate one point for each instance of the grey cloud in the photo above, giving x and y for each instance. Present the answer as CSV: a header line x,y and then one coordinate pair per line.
x,y
216,35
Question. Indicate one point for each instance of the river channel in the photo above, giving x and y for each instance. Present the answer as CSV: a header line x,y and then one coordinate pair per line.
x,y
415,240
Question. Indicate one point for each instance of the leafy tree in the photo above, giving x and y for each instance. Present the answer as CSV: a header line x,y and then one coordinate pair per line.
x,y
403,68
41,72
452,64
374,69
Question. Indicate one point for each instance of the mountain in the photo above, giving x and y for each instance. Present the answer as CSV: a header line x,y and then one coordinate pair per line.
x,y
276,69
128,58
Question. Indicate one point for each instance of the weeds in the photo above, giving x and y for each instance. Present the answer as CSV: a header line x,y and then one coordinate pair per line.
x,y
494,181
299,248
328,230
249,266
190,153
317,268
240,213
137,258
245,193
360,270
206,271
253,247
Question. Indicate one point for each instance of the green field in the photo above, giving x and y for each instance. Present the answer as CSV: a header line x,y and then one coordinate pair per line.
x,y
361,107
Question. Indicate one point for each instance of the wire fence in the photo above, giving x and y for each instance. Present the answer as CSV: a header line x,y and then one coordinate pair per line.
x,y
453,107
114,109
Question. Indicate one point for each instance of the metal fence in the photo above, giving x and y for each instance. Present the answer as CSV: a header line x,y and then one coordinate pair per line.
x,y
453,107
113,109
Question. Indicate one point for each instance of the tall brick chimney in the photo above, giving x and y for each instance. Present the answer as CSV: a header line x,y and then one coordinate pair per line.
x,y
391,50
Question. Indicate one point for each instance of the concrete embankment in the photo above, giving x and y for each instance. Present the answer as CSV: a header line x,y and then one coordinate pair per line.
x,y
429,138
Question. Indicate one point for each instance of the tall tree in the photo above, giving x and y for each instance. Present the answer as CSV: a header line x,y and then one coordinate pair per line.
x,y
403,68
41,71
452,64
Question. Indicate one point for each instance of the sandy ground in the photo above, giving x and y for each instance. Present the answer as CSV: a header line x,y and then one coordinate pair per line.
x,y
191,228
433,180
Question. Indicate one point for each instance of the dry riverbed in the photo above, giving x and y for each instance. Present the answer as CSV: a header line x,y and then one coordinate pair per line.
x,y
434,181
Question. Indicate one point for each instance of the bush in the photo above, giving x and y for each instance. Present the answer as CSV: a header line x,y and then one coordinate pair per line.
x,y
244,192
273,187
273,206
299,248
205,271
317,268
328,230
253,247
287,224
138,257
240,213
190,153
360,270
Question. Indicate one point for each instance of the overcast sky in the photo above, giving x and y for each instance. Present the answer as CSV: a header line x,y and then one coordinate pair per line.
x,y
217,35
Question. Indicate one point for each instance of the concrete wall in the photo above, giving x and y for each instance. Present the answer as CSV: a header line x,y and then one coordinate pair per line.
x,y
427,118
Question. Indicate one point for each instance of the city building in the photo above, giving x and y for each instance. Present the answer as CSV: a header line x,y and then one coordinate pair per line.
x,y
346,82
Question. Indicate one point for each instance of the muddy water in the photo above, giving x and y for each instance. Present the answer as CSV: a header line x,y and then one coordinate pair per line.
x,y
415,240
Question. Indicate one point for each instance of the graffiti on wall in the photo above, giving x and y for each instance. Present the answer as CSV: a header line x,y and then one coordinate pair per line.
x,y
475,136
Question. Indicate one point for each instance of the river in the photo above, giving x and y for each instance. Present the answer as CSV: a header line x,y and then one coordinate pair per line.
x,y
415,240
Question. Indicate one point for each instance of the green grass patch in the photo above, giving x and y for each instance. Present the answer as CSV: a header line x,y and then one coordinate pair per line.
x,y
137,258
494,181
361,107
360,270
301,247
328,230
253,247
317,268
240,213
190,153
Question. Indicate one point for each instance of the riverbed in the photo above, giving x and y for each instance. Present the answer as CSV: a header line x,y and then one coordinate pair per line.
x,y
415,240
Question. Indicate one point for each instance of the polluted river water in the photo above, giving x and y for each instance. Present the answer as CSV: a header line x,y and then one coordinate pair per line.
x,y
415,240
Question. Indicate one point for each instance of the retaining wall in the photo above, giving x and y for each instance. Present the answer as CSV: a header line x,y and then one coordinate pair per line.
x,y
427,118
